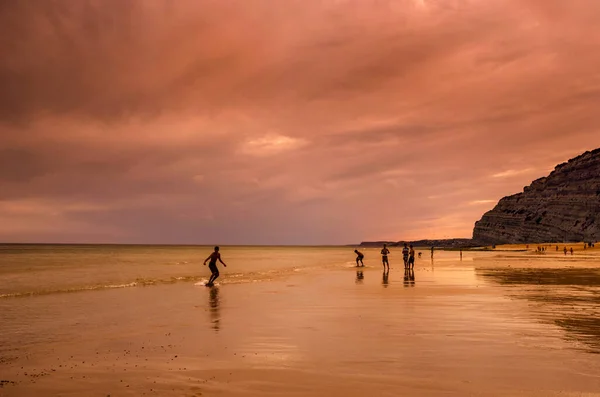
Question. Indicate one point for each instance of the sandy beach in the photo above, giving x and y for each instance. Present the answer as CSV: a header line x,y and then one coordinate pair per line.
x,y
488,325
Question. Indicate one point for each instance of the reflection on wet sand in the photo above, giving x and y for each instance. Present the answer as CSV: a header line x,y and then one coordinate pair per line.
x,y
359,277
568,298
385,280
409,278
213,302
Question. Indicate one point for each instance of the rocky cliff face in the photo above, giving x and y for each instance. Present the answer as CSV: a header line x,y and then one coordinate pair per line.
x,y
564,206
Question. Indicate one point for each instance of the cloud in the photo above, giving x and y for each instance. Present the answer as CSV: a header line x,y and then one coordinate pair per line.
x,y
481,202
510,173
271,145
285,122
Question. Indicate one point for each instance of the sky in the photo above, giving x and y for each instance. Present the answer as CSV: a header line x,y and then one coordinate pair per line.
x,y
285,121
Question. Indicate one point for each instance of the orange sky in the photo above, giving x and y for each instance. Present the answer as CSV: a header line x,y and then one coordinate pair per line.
x,y
285,122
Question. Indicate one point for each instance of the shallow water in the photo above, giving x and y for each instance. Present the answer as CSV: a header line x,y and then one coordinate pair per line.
x,y
307,322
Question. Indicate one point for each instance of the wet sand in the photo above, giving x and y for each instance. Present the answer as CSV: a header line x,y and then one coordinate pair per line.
x,y
470,328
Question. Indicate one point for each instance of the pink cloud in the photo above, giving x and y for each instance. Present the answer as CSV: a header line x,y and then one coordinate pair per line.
x,y
292,122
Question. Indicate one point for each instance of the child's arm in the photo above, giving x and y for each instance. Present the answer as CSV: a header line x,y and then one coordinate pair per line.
x,y
220,260
207,259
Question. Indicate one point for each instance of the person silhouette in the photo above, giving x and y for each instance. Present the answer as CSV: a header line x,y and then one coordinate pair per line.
x,y
384,257
213,266
405,252
359,258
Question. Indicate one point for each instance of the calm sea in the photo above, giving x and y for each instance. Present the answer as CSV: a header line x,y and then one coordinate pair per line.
x,y
27,270
30,270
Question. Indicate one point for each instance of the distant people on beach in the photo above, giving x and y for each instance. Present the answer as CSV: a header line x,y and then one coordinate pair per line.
x,y
571,250
359,258
461,254
432,252
557,247
214,257
411,257
405,252
384,257
565,250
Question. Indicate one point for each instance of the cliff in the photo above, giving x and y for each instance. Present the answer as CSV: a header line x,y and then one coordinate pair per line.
x,y
564,206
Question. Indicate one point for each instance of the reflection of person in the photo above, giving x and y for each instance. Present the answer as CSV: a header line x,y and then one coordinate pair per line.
x,y
359,277
386,273
359,258
213,266
384,257
213,302
409,277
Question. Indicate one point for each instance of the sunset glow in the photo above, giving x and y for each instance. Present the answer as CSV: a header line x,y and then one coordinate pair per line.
x,y
285,122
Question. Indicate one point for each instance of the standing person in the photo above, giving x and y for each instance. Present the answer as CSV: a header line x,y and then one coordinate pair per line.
x,y
359,258
461,254
431,252
384,257
213,266
411,257
405,252
571,250
565,250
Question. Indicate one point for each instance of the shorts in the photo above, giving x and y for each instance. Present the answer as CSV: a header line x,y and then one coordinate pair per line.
x,y
384,258
213,268
411,260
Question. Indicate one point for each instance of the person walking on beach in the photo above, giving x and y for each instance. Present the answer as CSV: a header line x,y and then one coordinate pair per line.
x,y
405,251
359,258
213,266
411,257
384,257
